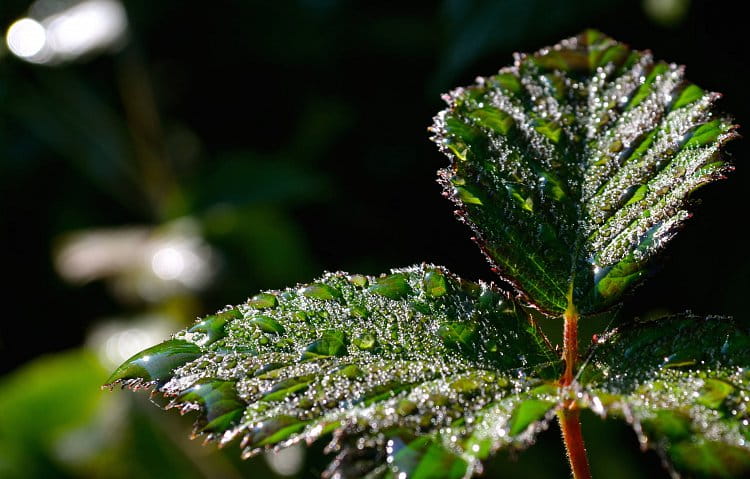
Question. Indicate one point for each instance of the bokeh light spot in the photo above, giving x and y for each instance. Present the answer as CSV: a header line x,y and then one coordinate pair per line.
x,y
26,38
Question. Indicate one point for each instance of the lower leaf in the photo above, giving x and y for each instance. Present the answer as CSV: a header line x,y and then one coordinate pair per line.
x,y
683,382
431,372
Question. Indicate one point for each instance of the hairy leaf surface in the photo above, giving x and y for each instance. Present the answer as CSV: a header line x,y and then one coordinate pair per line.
x,y
432,371
574,166
683,383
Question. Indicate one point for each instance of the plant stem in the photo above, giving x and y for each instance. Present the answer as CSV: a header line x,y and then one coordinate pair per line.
x,y
573,438
569,415
570,344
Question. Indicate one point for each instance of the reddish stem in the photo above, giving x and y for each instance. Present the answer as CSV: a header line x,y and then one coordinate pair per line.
x,y
569,415
573,438
570,345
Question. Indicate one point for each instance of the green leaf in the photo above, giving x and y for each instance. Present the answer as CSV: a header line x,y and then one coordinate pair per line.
x,y
432,371
683,383
44,403
574,166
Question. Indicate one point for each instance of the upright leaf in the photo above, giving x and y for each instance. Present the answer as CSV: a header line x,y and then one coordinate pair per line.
x,y
434,372
684,384
574,166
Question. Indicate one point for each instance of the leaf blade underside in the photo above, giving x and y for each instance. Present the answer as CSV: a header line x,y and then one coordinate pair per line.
x,y
683,383
425,368
574,166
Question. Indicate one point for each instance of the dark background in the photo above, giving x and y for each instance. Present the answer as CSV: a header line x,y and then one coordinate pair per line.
x,y
292,135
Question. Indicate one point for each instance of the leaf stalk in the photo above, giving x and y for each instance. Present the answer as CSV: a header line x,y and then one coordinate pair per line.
x,y
570,344
570,425
568,416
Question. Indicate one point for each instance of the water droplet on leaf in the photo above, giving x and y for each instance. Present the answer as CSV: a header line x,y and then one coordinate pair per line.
x,y
262,301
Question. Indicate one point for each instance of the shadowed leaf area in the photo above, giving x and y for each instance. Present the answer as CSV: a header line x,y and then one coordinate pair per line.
x,y
419,368
682,382
574,166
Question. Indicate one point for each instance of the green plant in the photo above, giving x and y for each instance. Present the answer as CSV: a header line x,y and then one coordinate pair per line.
x,y
574,169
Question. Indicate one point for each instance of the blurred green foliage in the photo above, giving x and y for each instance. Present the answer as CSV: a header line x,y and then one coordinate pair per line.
x,y
293,135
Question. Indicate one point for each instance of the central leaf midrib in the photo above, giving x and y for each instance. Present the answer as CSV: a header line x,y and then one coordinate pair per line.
x,y
585,156
536,167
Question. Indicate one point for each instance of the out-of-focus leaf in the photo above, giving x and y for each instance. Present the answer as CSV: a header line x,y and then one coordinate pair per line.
x,y
244,179
262,239
682,382
56,422
418,352
574,166
43,404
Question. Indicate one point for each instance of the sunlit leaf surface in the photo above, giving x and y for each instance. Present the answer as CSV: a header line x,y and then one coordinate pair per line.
x,y
574,166
431,372
682,382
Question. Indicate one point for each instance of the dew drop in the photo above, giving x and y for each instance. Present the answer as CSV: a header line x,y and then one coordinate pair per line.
x,y
157,362
393,286
465,386
300,316
713,393
364,341
351,371
262,301
332,343
213,326
615,146
458,335
434,284
359,311
320,291
268,325
358,280
405,407
288,295
466,196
